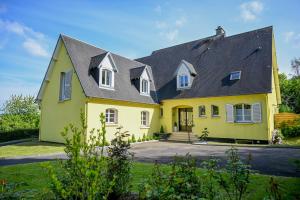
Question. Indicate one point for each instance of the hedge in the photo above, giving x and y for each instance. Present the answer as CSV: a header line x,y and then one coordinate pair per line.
x,y
290,131
18,134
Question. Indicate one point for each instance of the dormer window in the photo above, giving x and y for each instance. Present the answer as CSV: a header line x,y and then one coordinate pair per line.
x,y
106,77
145,87
184,81
185,74
235,75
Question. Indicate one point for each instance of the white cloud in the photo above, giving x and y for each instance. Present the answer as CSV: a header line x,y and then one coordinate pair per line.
x,y
288,35
180,22
170,35
292,38
34,42
157,9
161,25
250,10
34,48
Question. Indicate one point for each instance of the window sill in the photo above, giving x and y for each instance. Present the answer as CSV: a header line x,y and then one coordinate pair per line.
x,y
203,116
111,124
244,122
145,94
145,127
215,116
64,100
106,87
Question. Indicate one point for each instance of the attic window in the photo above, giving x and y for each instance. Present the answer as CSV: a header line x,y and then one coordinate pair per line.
x,y
145,87
235,75
184,81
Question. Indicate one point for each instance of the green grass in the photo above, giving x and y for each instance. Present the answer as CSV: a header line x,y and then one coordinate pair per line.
x,y
295,141
30,148
35,176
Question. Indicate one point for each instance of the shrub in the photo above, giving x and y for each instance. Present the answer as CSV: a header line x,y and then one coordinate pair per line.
x,y
133,138
18,134
236,182
139,140
204,135
161,129
84,174
144,137
290,131
119,164
273,190
181,182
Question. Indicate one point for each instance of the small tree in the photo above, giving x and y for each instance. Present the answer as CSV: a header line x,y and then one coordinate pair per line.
x,y
19,112
295,64
162,129
204,135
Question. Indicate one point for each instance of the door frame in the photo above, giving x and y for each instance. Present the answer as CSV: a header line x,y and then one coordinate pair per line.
x,y
186,111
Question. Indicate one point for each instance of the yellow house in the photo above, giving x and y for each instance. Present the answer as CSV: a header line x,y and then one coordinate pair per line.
x,y
227,84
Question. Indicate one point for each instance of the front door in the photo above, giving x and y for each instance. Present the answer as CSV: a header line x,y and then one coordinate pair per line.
x,y
185,119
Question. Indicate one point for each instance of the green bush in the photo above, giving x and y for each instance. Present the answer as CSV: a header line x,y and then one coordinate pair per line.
x,y
181,182
133,138
87,173
119,163
290,131
18,134
161,129
144,137
19,112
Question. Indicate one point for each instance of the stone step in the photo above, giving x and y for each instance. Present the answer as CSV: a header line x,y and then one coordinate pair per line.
x,y
182,137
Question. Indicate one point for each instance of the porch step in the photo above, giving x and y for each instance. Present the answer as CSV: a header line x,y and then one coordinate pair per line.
x,y
183,137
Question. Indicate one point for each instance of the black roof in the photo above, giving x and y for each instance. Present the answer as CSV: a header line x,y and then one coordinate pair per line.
x,y
214,58
211,59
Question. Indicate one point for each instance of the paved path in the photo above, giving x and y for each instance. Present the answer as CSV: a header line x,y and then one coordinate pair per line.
x,y
273,161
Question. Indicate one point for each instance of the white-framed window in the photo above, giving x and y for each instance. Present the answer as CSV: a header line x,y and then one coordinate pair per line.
x,y
242,113
145,86
106,78
145,118
65,85
214,111
202,111
111,116
235,75
183,81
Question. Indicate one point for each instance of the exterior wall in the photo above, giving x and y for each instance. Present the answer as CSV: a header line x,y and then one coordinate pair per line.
x,y
218,126
55,115
129,116
274,98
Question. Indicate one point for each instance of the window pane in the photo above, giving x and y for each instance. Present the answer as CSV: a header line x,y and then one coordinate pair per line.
x,y
215,110
181,81
103,77
201,110
186,83
247,113
108,78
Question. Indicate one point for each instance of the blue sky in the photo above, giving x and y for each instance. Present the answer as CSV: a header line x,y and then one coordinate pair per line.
x,y
29,30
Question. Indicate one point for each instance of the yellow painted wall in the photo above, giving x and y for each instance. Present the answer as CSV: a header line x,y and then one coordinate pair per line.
x,y
274,98
129,116
217,126
56,115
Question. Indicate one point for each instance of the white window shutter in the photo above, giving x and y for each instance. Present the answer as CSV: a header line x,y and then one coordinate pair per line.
x,y
256,113
68,84
229,113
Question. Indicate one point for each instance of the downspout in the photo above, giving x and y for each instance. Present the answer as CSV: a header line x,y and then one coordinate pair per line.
x,y
268,117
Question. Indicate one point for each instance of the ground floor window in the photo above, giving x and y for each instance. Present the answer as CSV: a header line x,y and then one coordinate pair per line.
x,y
111,116
201,111
242,113
145,118
214,111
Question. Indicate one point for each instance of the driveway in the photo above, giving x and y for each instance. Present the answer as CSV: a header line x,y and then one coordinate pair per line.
x,y
265,160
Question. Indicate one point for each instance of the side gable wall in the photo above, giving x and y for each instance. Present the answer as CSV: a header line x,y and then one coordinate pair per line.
x,y
56,115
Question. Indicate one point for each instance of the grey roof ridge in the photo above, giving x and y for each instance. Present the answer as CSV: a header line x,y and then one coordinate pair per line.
x,y
206,38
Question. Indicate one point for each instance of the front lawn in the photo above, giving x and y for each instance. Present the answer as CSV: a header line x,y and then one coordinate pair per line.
x,y
30,148
36,179
294,141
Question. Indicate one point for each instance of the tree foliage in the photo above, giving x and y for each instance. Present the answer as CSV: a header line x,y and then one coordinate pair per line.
x,y
19,112
290,93
296,66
